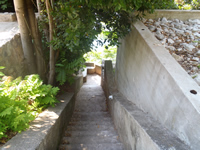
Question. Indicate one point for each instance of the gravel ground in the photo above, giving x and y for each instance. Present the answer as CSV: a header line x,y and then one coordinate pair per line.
x,y
181,39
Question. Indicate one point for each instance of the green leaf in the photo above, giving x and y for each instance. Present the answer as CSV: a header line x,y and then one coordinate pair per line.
x,y
1,74
2,67
6,112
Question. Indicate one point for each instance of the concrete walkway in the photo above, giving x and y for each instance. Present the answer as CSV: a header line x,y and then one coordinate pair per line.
x,y
91,126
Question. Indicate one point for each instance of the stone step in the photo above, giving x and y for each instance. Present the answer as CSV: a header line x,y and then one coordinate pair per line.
x,y
76,121
87,116
99,119
105,133
103,146
90,140
90,128
96,113
97,122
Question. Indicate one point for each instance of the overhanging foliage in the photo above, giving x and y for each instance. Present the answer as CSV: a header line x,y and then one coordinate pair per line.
x,y
78,23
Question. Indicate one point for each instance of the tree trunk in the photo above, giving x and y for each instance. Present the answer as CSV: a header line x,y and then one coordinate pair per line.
x,y
39,6
52,52
36,39
25,35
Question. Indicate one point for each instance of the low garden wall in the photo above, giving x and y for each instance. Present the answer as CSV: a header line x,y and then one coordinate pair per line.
x,y
8,17
46,131
93,68
12,57
11,52
174,14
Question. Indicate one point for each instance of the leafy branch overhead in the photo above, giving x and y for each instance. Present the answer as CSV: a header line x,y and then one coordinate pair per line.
x,y
78,23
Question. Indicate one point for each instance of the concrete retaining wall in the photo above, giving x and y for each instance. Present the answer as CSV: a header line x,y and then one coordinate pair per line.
x,y
8,17
11,52
46,130
174,14
150,77
12,57
137,129
93,68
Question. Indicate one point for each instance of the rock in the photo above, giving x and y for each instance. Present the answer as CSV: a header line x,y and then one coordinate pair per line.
x,y
170,41
164,20
150,20
198,53
188,47
196,34
195,59
187,32
188,27
195,29
191,37
180,32
195,21
172,33
194,63
178,41
188,40
194,69
163,42
157,24
144,20
176,20
171,25
175,38
165,30
195,44
177,57
181,39
178,25
179,49
152,28
171,48
159,30
159,36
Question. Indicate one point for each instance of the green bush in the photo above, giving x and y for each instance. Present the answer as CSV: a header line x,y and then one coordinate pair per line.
x,y
98,56
6,6
22,100
188,4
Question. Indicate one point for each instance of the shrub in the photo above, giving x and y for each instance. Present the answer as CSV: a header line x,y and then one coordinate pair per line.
x,y
22,100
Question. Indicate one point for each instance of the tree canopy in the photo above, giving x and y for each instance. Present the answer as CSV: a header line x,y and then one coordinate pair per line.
x,y
69,28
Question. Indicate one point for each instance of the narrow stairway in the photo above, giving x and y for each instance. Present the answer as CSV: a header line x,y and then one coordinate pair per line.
x,y
91,126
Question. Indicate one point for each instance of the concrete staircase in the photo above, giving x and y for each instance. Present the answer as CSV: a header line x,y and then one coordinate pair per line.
x,y
91,126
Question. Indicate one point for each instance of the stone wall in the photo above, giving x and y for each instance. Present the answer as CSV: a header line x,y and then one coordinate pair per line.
x,y
8,17
12,57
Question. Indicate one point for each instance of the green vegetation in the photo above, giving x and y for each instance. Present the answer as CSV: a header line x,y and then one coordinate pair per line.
x,y
98,56
188,4
21,101
77,24
6,5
